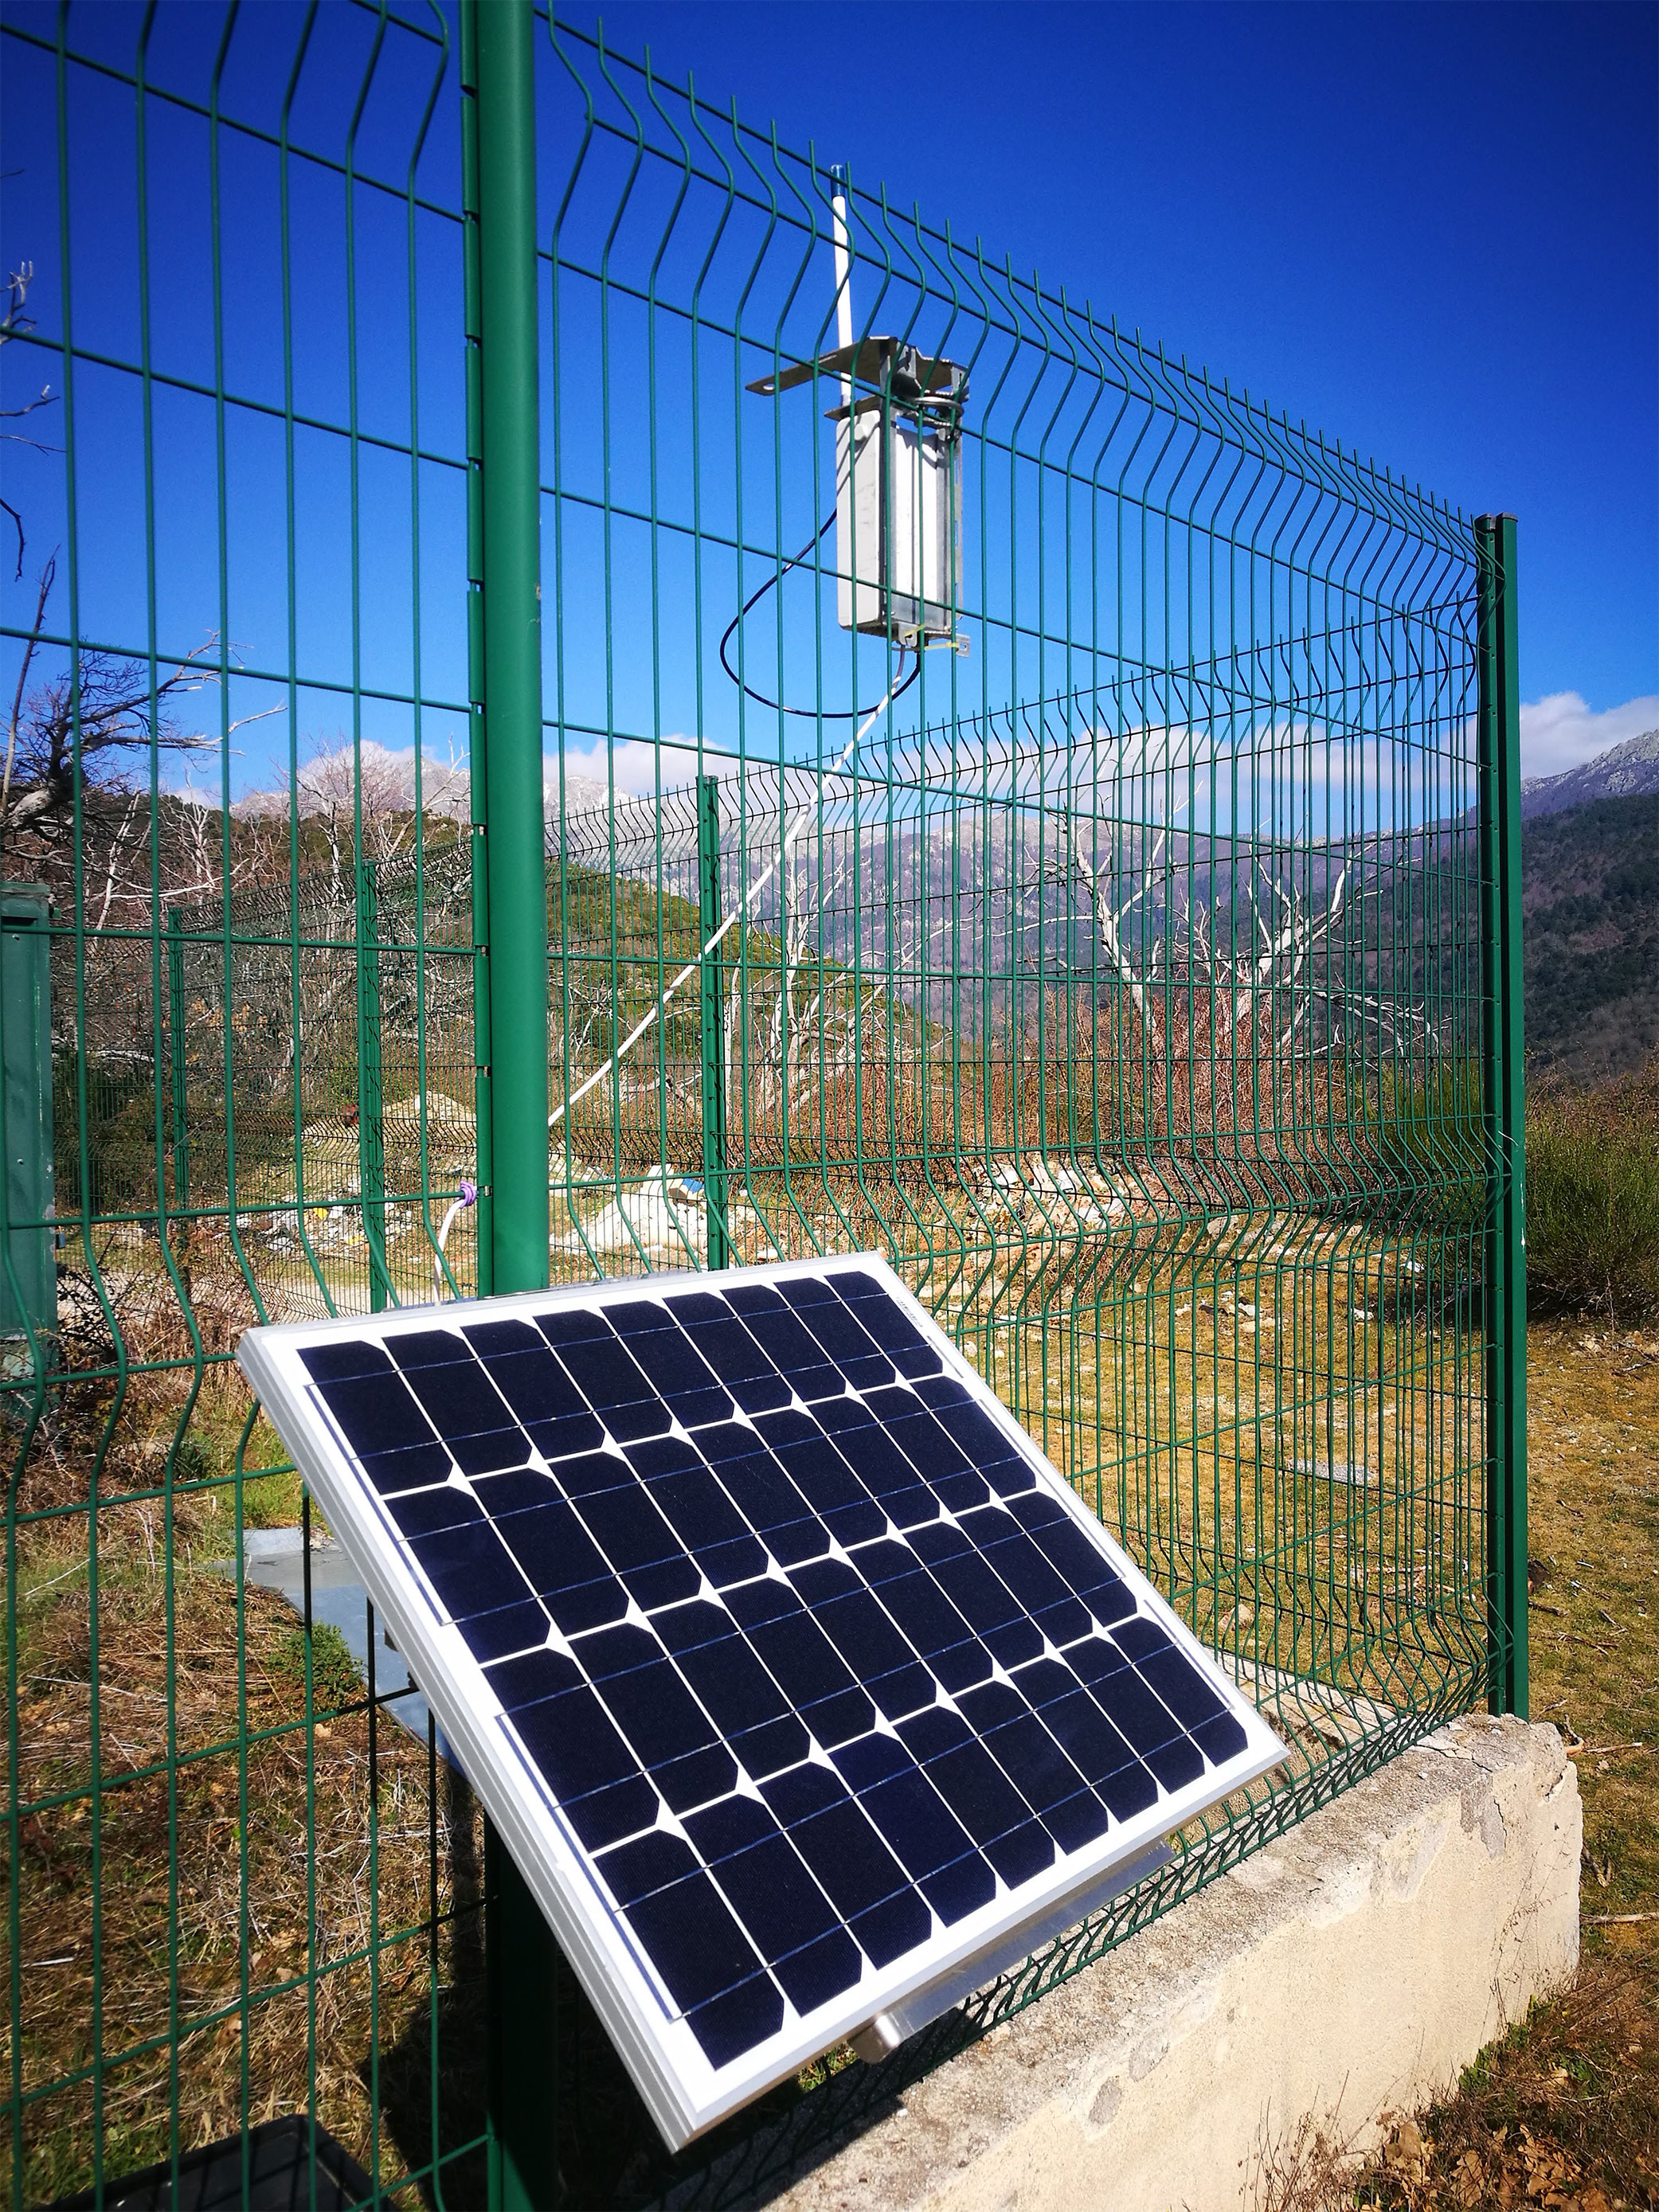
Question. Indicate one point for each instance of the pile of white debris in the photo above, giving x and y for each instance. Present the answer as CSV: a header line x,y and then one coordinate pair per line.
x,y
665,1217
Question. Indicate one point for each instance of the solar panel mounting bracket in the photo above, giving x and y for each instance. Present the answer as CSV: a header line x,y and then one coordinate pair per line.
x,y
922,2006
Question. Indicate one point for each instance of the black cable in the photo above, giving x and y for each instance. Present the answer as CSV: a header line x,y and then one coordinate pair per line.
x,y
806,714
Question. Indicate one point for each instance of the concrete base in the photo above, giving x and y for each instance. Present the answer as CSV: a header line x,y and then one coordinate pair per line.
x,y
1351,1969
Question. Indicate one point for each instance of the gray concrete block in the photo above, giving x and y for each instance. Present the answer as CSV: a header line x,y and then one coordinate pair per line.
x,y
1351,1969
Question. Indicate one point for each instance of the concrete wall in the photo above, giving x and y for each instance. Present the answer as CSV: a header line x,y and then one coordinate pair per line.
x,y
1353,1967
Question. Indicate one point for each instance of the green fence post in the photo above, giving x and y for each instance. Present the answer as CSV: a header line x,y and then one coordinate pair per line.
x,y
498,70
371,1089
28,1265
1505,1319
713,1036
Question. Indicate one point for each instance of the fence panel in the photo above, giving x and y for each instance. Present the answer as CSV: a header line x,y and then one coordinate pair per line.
x,y
1010,802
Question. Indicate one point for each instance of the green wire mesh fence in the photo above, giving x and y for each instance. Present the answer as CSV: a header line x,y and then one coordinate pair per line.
x,y
1009,800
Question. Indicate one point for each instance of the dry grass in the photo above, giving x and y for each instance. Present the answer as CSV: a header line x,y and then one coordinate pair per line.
x,y
132,1904
1564,2112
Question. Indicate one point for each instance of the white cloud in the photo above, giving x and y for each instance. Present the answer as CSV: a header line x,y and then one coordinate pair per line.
x,y
635,765
1561,731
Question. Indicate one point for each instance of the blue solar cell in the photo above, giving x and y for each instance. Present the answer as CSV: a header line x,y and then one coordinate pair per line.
x,y
791,1348
574,1743
778,1902
417,1467
563,1567
912,1818
890,1477
616,1387
918,1435
672,1363
708,1525
1042,1594
588,1473
806,1667
415,1349
982,1598
458,1398
858,1628
424,1512
649,1863
693,1940
727,1347
567,1324
1050,1784
344,1357
731,2025
471,1569
1103,1591
956,1890
888,1930
769,1502
823,1476
511,1628
804,1790
841,1334
1040,1511
1220,1740
1140,1716
871,1759
820,1971
745,1705
930,1622
1087,1736
530,1677
665,1726
861,1875
1181,1686
515,1489
979,1435
960,1493
376,1413
637,1318
641,1545
548,1404
892,1330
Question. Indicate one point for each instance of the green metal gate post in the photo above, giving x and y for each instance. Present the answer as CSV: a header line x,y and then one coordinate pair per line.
x,y
28,1267
371,1098
498,71
714,1037
176,1062
1504,1318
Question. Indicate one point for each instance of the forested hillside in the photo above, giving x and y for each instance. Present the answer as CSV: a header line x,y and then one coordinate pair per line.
x,y
1590,899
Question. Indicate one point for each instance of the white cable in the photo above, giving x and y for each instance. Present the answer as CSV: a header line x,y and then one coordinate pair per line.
x,y
469,1197
692,967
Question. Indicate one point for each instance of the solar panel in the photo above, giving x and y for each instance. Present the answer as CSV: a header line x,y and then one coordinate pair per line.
x,y
791,1672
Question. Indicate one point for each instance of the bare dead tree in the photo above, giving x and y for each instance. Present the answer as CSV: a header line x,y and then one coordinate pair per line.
x,y
77,736
14,322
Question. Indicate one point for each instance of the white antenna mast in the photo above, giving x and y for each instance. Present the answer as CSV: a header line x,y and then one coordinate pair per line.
x,y
843,273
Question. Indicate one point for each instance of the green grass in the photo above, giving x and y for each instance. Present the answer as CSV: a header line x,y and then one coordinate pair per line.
x,y
1593,1198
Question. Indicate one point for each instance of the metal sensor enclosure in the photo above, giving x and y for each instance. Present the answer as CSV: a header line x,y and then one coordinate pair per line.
x,y
898,486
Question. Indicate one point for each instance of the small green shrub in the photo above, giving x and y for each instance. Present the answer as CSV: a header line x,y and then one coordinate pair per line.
x,y
1427,1142
335,1681
1593,1198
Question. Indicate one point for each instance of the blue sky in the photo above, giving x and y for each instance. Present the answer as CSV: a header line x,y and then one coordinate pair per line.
x,y
1433,230
1428,230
